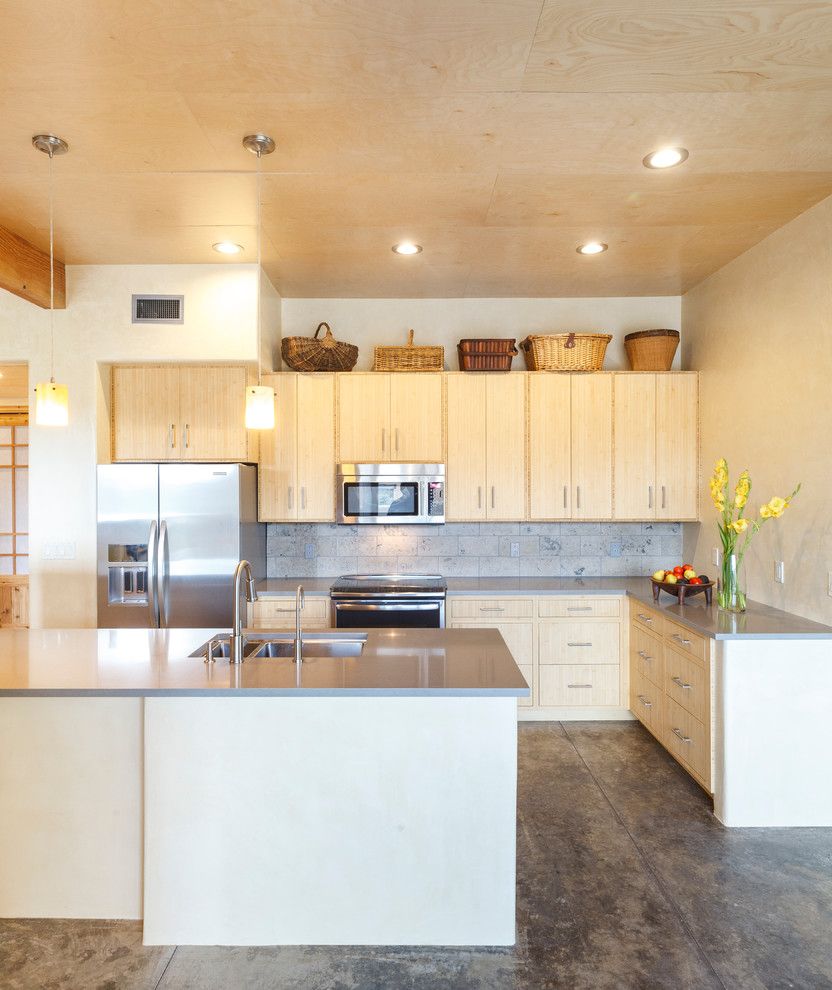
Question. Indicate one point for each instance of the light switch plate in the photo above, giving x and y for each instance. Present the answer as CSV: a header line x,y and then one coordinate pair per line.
x,y
62,550
309,551
779,572
715,556
515,548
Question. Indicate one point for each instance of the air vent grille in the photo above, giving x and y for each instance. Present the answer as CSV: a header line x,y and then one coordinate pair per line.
x,y
158,309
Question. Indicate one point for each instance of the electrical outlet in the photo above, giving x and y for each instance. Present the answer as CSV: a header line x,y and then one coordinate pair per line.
x,y
715,556
309,551
779,572
58,551
615,549
515,548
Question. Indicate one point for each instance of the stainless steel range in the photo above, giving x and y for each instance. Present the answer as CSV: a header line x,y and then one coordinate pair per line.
x,y
370,601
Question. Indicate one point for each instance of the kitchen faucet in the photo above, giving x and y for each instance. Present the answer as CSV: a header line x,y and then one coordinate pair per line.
x,y
300,601
236,651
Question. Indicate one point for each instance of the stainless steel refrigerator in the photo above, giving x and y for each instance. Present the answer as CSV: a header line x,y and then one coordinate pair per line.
x,y
169,538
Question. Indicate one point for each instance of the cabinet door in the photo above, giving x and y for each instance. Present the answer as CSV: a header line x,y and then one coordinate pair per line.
x,y
416,417
550,446
592,446
146,423
213,410
677,451
316,447
276,476
505,434
635,446
466,462
364,417
519,637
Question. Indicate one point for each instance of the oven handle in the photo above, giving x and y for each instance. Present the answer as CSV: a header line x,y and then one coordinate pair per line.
x,y
387,606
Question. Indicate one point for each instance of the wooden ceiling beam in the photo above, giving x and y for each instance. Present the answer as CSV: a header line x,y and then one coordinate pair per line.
x,y
24,271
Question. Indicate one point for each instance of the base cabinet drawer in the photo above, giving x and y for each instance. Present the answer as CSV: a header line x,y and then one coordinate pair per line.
x,y
686,682
491,608
687,739
279,613
685,641
646,618
646,701
647,653
579,642
579,608
579,684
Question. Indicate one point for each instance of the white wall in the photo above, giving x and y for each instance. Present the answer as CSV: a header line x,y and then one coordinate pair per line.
x,y
220,325
367,322
760,331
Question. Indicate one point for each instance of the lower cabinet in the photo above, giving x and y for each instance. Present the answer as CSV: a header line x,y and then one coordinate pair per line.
x,y
14,602
568,649
671,688
279,614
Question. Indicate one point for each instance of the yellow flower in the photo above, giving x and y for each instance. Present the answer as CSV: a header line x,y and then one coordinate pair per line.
x,y
739,525
777,506
740,500
765,512
743,486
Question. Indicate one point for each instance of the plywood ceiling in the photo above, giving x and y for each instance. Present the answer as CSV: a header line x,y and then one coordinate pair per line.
x,y
499,134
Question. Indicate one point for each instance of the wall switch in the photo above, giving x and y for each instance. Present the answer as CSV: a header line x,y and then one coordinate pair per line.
x,y
615,549
779,572
58,551
715,556
515,548
309,551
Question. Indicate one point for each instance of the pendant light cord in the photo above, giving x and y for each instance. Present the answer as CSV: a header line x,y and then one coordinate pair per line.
x,y
51,277
259,263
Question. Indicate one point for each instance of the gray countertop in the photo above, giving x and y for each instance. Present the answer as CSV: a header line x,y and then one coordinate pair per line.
x,y
758,622
154,662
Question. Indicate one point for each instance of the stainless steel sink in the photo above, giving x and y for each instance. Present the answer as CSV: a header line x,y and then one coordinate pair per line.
x,y
222,649
311,648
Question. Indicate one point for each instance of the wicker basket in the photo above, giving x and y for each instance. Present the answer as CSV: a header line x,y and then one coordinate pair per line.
x,y
565,351
311,354
409,358
486,353
651,350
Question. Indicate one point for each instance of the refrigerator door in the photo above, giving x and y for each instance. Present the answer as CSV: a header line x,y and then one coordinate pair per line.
x,y
128,505
199,543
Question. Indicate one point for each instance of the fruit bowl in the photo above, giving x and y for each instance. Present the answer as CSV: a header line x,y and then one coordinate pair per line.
x,y
682,591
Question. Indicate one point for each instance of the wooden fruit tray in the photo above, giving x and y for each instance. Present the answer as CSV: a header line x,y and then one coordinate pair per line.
x,y
683,591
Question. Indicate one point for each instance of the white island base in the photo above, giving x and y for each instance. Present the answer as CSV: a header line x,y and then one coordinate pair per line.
x,y
265,820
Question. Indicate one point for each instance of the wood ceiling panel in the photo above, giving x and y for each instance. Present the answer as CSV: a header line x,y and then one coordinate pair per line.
x,y
668,46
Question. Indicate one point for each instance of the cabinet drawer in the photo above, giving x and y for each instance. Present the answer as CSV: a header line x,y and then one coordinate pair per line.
x,y
686,682
646,702
579,684
687,739
491,608
279,613
647,651
685,641
579,642
646,618
528,672
518,636
578,608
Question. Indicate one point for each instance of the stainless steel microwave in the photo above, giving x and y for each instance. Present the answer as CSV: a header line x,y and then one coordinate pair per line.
x,y
401,494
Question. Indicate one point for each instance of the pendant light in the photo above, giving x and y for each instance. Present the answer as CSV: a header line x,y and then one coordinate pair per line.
x,y
259,397
51,399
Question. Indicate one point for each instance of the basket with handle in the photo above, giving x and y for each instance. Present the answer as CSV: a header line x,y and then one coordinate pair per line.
x,y
312,354
651,350
486,353
565,351
410,357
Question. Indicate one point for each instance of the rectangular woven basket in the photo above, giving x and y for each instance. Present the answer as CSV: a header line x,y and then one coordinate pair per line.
x,y
486,353
410,357
565,351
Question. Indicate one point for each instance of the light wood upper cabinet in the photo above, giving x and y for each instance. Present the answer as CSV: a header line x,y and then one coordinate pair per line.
x,y
635,446
416,417
363,417
677,446
145,413
550,446
592,446
179,413
486,463
296,478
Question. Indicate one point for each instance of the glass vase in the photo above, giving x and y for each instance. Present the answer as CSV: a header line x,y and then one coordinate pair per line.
x,y
731,591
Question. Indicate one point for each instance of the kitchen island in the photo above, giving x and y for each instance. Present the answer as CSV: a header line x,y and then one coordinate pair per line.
x,y
351,800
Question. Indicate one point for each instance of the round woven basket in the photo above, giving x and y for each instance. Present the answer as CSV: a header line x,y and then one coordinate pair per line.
x,y
651,350
311,354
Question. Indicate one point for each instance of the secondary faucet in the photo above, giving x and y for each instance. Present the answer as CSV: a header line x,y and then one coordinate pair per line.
x,y
237,647
300,601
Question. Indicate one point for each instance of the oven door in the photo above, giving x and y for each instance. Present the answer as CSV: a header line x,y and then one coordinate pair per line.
x,y
389,613
381,500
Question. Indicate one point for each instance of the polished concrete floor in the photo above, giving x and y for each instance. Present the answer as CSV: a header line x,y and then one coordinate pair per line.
x,y
625,880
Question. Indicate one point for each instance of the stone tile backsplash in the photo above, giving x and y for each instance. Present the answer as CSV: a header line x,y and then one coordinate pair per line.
x,y
473,549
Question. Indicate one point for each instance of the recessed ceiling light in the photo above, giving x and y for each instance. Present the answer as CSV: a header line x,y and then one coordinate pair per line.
x,y
591,247
227,247
666,157
407,247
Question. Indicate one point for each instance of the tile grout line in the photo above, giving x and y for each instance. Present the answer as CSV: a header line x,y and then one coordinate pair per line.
x,y
648,867
167,965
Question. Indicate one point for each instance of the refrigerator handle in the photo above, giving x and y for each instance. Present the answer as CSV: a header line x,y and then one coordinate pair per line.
x,y
152,599
162,574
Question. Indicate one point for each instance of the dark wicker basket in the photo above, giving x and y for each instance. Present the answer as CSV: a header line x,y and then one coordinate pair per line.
x,y
486,353
311,354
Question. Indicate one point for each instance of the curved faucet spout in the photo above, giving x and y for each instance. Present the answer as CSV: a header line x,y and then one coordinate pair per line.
x,y
237,649
300,602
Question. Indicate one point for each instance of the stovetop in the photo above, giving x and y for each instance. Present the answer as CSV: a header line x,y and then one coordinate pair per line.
x,y
390,584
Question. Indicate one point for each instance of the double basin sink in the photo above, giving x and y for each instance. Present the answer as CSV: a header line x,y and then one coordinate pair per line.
x,y
277,646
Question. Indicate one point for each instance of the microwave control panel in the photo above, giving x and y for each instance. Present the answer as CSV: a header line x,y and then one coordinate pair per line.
x,y
436,498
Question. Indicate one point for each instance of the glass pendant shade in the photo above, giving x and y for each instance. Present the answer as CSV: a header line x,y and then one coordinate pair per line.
x,y
259,407
51,404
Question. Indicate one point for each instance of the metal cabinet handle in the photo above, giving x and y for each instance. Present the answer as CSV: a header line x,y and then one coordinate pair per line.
x,y
645,656
644,618
187,435
578,497
303,496
290,497
564,496
579,685
680,682
579,644
172,435
680,735
492,496
383,439
578,608
479,496
485,608
397,439
649,496
679,639
645,702
664,497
